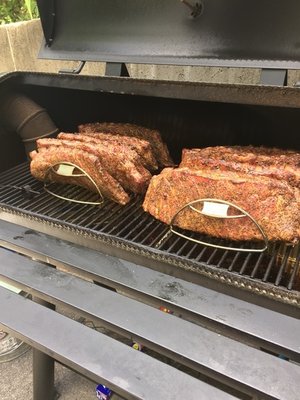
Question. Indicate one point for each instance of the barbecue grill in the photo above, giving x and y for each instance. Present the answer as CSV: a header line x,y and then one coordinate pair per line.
x,y
128,231
187,114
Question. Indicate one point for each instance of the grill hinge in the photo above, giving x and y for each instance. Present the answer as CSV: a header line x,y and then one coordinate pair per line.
x,y
75,71
47,10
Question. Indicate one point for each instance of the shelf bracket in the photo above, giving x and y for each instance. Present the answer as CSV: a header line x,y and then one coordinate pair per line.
x,y
273,77
116,69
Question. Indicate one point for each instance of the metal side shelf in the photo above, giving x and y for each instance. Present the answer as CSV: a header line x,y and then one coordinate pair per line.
x,y
100,358
226,360
233,317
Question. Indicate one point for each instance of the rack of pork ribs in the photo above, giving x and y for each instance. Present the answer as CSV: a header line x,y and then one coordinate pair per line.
x,y
121,159
264,182
118,159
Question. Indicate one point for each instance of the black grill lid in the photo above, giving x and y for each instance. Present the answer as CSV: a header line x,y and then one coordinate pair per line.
x,y
237,33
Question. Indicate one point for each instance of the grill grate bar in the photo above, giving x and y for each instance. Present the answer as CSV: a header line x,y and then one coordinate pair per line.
x,y
114,210
224,255
47,203
15,175
7,175
150,234
163,240
189,254
212,256
6,191
156,240
46,199
183,247
256,266
43,204
173,244
10,193
142,220
143,236
116,217
20,200
283,266
71,211
245,264
130,222
19,179
105,214
74,210
294,273
234,261
269,267
201,254
120,220
90,216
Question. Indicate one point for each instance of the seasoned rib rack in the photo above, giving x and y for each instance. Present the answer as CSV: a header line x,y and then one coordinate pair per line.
x,y
128,227
272,203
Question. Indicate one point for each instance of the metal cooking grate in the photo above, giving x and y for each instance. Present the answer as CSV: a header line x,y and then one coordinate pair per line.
x,y
279,266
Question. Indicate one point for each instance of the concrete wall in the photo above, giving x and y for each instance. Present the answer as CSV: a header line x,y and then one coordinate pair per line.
x,y
20,43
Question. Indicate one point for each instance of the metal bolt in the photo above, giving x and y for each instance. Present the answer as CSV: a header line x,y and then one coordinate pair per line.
x,y
196,9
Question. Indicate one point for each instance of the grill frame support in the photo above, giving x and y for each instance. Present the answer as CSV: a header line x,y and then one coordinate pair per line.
x,y
193,302
43,367
200,348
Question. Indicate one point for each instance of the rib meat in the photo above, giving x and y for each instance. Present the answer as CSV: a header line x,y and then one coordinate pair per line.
x,y
140,146
273,203
41,162
122,163
254,161
152,136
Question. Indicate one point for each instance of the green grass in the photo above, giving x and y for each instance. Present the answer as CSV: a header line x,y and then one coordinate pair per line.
x,y
17,10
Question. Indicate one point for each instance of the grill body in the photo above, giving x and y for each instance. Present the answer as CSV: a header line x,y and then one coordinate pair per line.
x,y
188,115
230,308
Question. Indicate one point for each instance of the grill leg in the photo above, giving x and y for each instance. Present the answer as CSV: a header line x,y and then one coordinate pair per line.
x,y
43,369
